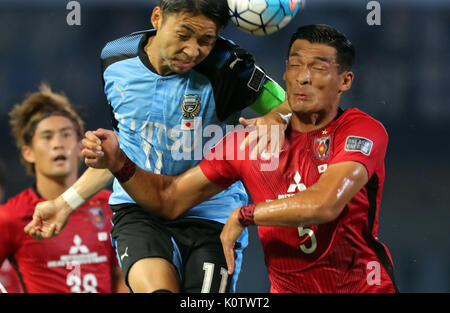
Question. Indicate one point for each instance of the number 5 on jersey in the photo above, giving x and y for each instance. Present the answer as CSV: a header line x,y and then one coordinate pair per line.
x,y
307,231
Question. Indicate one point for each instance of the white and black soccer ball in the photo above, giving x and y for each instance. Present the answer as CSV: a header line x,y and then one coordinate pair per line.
x,y
263,17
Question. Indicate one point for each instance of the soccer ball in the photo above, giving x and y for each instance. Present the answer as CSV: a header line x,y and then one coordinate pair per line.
x,y
263,17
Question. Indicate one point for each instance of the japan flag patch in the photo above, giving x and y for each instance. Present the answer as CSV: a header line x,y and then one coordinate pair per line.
x,y
322,168
187,124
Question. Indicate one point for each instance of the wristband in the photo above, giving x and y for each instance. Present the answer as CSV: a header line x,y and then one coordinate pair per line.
x,y
73,198
286,117
245,216
126,172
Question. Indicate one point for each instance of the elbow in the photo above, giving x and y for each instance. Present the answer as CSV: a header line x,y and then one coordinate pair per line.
x,y
163,212
169,209
158,206
327,212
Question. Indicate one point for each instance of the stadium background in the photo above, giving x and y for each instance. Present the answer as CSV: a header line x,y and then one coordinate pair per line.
x,y
402,79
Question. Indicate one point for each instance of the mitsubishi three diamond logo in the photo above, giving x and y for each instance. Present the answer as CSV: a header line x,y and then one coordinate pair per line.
x,y
297,185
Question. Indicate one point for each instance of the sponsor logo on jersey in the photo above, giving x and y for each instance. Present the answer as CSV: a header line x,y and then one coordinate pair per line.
x,y
236,60
294,187
120,90
322,147
78,254
358,144
191,106
125,254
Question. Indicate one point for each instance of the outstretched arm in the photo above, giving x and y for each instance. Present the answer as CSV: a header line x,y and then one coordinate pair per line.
x,y
50,217
166,196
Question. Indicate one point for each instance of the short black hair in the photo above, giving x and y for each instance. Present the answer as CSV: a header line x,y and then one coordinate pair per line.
x,y
325,34
216,10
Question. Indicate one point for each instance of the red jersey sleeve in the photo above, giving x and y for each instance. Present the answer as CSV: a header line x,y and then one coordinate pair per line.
x,y
6,233
222,163
361,139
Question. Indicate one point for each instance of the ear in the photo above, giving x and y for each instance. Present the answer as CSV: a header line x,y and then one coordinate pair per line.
x,y
156,18
284,75
347,80
28,154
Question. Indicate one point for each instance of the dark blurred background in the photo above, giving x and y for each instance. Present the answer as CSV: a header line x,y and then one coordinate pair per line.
x,y
402,79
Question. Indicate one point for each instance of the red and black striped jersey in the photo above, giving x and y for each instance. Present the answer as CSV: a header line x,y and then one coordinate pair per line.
x,y
341,256
79,259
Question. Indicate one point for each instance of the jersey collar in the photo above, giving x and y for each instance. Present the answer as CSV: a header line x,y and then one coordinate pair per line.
x,y
141,50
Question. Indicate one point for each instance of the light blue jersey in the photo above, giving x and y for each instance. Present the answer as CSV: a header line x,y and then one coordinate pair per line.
x,y
166,124
162,121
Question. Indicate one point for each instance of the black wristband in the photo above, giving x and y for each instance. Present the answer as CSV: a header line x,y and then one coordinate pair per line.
x,y
126,172
246,215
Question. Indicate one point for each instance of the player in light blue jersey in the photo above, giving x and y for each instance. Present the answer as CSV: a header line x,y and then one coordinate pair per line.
x,y
172,91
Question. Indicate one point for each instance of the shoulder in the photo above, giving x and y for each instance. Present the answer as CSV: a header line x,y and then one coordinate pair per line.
x,y
235,78
358,132
102,196
222,52
97,206
357,120
224,56
230,144
122,48
237,136
19,205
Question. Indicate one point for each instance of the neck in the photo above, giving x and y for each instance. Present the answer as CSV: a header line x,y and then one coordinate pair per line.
x,y
52,187
307,122
152,52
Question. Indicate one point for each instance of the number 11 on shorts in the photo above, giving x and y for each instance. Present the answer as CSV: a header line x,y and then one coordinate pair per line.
x,y
207,279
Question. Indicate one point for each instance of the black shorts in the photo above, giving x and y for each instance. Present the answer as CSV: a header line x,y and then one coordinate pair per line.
x,y
192,245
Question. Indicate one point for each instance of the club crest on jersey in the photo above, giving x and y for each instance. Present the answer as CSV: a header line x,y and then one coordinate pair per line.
x,y
322,147
97,217
191,105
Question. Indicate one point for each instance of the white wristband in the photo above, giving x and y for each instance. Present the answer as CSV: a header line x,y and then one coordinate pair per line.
x,y
73,198
286,117
2,289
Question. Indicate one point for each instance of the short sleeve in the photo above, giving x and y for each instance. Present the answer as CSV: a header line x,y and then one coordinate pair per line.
x,y
236,79
362,140
222,163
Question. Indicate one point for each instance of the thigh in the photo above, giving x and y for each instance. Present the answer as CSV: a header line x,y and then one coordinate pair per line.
x,y
151,274
138,236
205,270
204,264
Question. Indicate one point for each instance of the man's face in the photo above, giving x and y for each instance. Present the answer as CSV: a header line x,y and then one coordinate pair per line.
x,y
184,40
313,83
55,149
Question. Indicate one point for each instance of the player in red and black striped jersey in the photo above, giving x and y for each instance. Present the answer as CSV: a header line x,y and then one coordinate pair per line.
x,y
81,259
48,133
317,203
312,240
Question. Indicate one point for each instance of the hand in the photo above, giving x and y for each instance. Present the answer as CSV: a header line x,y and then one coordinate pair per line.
x,y
230,234
102,150
268,133
49,219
